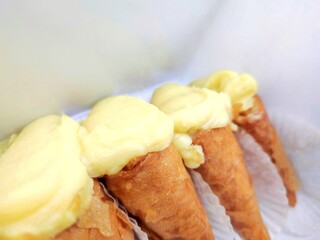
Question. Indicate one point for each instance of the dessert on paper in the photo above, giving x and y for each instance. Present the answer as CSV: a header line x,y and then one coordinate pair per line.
x,y
205,116
127,148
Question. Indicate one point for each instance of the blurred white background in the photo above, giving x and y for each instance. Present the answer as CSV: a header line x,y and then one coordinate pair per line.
x,y
61,56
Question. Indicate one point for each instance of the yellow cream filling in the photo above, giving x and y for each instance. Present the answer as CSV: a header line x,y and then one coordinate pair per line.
x,y
44,187
192,155
240,88
121,128
192,108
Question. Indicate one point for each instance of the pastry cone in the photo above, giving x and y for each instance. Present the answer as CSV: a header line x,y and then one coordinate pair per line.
x,y
128,143
157,189
250,114
102,221
226,174
256,122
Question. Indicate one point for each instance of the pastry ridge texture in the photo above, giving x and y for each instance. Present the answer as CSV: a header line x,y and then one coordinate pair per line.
x,y
256,122
226,174
102,221
166,199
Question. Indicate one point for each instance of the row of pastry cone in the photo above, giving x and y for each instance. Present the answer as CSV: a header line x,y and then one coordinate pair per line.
x,y
226,173
223,169
157,190
146,183
180,214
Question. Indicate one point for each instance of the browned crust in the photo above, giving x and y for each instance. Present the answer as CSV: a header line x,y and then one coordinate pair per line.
x,y
102,221
226,174
256,122
157,189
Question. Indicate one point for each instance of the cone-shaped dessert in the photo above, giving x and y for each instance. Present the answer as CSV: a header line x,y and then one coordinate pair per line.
x,y
202,119
128,142
45,188
250,114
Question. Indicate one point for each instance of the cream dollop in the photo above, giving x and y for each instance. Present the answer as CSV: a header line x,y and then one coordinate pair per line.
x,y
120,128
240,88
44,186
192,108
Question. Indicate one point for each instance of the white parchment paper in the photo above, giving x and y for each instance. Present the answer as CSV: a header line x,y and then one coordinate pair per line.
x,y
218,218
270,191
302,142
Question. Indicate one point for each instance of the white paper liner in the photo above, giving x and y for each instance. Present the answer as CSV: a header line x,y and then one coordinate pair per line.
x,y
139,234
302,143
270,191
218,218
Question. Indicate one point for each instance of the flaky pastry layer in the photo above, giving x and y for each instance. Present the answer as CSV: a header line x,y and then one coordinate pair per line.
x,y
225,172
157,189
102,221
256,122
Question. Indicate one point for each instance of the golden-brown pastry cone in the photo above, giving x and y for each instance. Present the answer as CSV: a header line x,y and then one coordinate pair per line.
x,y
157,189
226,174
102,221
256,122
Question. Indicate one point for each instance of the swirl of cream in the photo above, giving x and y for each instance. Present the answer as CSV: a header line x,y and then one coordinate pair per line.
x,y
44,186
120,128
240,88
193,108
